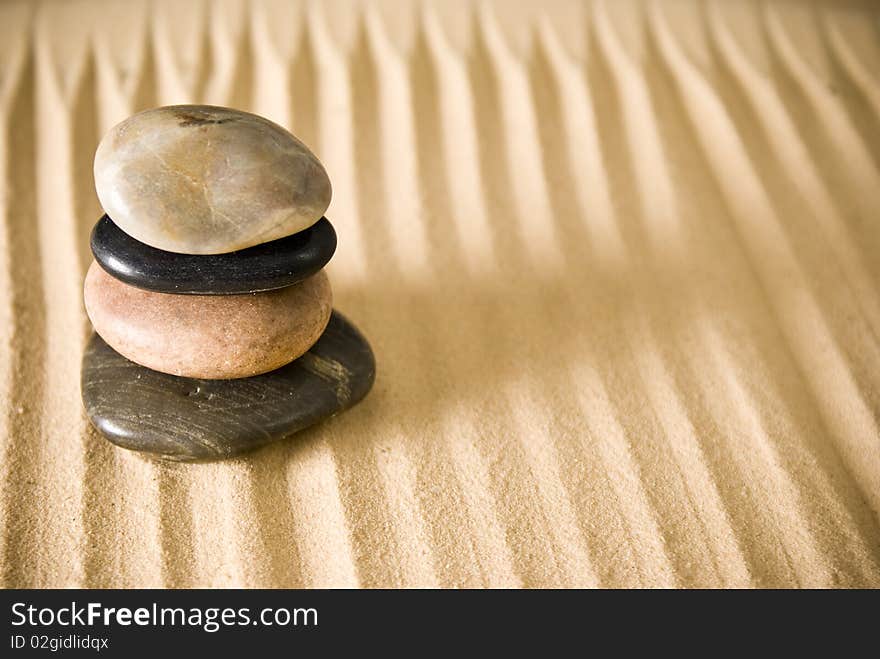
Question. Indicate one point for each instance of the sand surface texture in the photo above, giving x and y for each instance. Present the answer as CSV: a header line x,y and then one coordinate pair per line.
x,y
619,263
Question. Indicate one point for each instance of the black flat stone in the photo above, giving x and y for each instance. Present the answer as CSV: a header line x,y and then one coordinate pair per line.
x,y
188,419
265,267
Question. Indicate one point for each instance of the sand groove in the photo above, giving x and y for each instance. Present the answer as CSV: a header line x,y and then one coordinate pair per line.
x,y
619,264
800,318
628,520
24,317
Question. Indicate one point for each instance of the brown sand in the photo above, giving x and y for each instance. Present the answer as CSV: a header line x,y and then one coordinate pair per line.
x,y
620,269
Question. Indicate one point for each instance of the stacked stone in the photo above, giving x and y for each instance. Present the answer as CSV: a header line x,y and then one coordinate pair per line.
x,y
214,320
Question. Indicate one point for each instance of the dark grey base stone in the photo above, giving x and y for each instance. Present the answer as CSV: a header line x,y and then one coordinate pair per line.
x,y
188,419
265,267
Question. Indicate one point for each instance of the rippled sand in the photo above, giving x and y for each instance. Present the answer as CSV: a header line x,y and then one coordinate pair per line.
x,y
620,269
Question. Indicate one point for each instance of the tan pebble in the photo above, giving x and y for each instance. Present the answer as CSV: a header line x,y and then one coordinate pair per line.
x,y
208,336
201,179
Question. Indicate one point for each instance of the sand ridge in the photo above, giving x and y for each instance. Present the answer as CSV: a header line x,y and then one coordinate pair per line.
x,y
615,258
